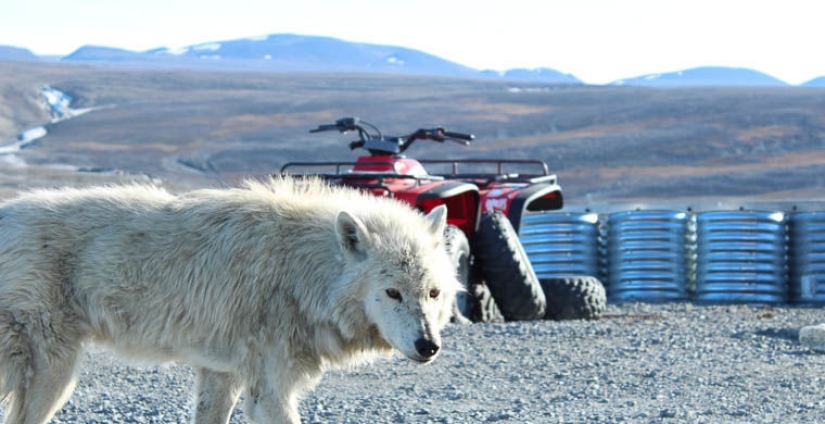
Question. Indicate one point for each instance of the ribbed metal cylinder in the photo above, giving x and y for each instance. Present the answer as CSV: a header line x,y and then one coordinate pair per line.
x,y
648,255
741,257
561,243
806,255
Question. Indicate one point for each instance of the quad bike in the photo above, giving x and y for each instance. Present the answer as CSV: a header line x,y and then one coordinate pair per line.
x,y
484,213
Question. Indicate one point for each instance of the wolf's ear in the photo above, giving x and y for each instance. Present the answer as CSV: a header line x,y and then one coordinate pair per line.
x,y
352,234
438,219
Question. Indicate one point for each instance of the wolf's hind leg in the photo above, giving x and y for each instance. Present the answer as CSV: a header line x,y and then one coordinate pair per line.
x,y
15,363
217,394
46,380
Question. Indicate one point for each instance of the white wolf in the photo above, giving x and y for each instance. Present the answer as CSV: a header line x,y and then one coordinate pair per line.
x,y
260,288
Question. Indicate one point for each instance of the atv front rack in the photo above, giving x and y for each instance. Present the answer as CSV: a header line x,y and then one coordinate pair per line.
x,y
542,176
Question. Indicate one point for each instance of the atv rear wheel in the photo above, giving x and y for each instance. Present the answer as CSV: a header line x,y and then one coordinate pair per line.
x,y
507,270
459,250
574,297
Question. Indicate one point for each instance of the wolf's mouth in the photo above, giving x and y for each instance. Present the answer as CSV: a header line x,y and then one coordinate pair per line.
x,y
421,360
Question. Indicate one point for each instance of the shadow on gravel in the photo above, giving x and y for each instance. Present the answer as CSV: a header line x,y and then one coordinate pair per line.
x,y
786,334
639,317
791,334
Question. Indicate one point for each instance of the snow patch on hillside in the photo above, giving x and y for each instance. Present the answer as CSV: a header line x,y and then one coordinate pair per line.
x,y
177,51
208,46
60,105
26,137
392,60
32,134
61,110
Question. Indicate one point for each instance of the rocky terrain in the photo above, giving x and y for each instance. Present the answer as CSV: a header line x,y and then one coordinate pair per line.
x,y
641,363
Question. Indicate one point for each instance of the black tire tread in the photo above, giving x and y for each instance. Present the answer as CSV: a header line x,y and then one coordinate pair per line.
x,y
458,247
507,270
484,306
578,297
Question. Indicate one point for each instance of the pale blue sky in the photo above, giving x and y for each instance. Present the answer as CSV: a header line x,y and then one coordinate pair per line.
x,y
597,40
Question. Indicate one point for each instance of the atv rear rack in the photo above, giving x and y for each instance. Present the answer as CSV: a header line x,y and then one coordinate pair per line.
x,y
359,175
337,166
501,176
351,177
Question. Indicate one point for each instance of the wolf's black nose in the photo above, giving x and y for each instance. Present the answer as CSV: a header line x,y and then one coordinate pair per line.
x,y
426,348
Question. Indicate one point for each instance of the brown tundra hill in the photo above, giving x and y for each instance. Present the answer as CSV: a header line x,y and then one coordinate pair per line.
x,y
606,143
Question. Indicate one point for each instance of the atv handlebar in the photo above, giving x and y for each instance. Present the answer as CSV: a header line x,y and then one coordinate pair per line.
x,y
333,127
460,136
379,145
348,124
439,134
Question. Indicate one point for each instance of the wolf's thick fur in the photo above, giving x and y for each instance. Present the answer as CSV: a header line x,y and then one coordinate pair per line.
x,y
260,289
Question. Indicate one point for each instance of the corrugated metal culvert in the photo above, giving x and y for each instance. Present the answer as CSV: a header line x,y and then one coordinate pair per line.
x,y
648,255
741,256
561,243
807,256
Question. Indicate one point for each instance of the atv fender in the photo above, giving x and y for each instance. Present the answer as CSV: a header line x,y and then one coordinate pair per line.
x,y
538,197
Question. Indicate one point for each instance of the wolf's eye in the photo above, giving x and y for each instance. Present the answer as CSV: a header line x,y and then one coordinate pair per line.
x,y
434,293
394,294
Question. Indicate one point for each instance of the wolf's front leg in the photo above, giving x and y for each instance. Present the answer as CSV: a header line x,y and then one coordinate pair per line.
x,y
217,394
274,408
271,400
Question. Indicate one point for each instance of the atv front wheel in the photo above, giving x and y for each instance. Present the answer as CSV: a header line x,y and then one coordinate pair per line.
x,y
459,250
574,297
507,270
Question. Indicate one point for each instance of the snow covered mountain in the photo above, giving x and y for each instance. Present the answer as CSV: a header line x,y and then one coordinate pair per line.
x,y
288,52
302,53
705,77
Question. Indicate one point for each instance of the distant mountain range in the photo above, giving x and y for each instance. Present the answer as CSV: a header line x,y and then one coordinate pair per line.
x,y
705,76
16,53
816,82
302,53
285,53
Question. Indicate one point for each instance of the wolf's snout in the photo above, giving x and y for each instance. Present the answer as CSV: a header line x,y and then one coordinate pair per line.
x,y
426,348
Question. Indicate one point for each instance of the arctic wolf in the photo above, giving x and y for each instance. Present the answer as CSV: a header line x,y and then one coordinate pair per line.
x,y
260,288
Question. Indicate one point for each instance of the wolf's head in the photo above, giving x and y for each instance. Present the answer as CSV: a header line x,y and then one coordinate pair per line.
x,y
405,278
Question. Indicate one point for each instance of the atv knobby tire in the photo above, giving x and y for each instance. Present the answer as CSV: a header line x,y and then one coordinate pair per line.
x,y
484,307
458,248
574,297
507,270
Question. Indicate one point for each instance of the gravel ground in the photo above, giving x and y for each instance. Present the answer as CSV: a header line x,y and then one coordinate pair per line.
x,y
641,363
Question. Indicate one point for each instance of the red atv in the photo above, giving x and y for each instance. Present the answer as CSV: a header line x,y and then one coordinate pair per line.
x,y
484,213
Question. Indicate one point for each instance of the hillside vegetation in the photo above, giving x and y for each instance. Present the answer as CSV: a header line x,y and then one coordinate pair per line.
x,y
606,143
